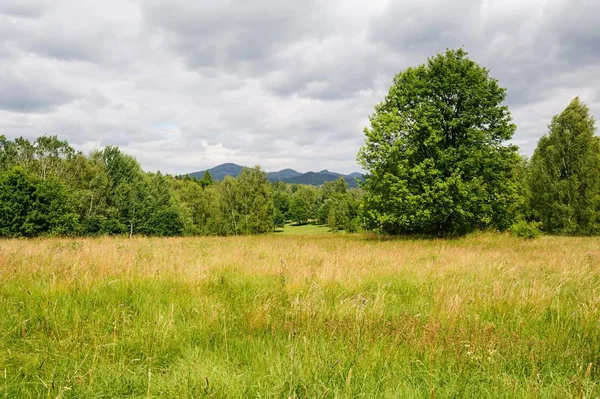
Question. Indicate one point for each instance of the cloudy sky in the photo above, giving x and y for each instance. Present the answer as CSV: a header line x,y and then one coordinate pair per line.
x,y
187,84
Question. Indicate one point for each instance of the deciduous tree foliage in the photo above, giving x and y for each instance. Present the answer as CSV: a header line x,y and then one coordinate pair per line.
x,y
436,151
206,179
282,198
30,206
48,188
256,207
304,204
565,174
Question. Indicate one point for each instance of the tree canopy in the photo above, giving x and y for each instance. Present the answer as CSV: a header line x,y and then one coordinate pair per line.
x,y
436,151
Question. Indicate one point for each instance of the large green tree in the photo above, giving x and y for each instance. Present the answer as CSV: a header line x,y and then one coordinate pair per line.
x,y
565,174
436,151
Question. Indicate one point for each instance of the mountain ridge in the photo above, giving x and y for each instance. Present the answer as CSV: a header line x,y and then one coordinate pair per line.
x,y
286,175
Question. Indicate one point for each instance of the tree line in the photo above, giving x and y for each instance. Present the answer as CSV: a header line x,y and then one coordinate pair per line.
x,y
48,188
437,154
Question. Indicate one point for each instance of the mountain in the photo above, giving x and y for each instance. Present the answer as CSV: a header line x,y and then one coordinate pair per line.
x,y
356,175
285,175
219,172
318,178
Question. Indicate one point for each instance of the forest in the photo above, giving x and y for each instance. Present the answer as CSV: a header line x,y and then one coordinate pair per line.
x,y
48,188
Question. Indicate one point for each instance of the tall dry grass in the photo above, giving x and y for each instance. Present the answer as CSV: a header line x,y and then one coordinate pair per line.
x,y
300,316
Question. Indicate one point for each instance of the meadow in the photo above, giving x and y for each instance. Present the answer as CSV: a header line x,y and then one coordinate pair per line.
x,y
300,316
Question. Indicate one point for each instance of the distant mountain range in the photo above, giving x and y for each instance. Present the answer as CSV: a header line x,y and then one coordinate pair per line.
x,y
285,175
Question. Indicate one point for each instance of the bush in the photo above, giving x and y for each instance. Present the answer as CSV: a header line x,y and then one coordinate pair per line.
x,y
30,206
165,222
526,229
353,226
279,219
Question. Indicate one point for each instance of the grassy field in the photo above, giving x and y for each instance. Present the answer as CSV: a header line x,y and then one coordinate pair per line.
x,y
301,316
293,230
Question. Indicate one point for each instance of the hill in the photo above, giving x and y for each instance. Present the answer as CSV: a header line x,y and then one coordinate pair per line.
x,y
285,175
219,172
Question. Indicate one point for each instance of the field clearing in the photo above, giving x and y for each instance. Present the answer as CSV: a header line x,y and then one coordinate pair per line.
x,y
316,316
292,230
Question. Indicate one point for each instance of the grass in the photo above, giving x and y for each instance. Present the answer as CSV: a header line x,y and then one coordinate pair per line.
x,y
305,229
315,316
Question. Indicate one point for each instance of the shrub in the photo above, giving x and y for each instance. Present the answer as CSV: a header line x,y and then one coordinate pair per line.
x,y
526,229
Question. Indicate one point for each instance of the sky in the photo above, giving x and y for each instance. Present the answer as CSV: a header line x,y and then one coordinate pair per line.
x,y
185,85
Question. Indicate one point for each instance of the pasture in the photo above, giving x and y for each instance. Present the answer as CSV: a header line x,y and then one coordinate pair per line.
x,y
303,316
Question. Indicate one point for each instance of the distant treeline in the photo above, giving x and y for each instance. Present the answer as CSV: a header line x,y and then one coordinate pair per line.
x,y
48,188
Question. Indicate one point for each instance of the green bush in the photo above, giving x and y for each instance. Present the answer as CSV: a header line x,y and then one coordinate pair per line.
x,y
526,229
30,206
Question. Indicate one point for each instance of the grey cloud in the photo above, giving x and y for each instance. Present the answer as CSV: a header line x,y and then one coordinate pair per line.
x,y
24,8
521,43
68,34
423,25
23,92
233,35
68,48
327,70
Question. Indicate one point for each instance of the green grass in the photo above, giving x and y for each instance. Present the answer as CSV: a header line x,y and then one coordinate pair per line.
x,y
306,229
345,316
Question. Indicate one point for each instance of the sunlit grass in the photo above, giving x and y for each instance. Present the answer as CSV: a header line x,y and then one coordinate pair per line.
x,y
292,229
300,316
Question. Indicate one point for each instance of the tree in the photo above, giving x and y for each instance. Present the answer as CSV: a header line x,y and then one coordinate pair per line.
x,y
257,209
206,180
330,188
46,156
165,222
304,204
52,156
87,181
565,174
189,196
281,199
338,215
229,206
164,216
436,151
128,192
30,206
8,153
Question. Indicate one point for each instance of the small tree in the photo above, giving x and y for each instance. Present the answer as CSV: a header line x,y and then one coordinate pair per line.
x,y
30,206
206,180
281,199
303,205
565,174
331,188
256,207
338,215
436,152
